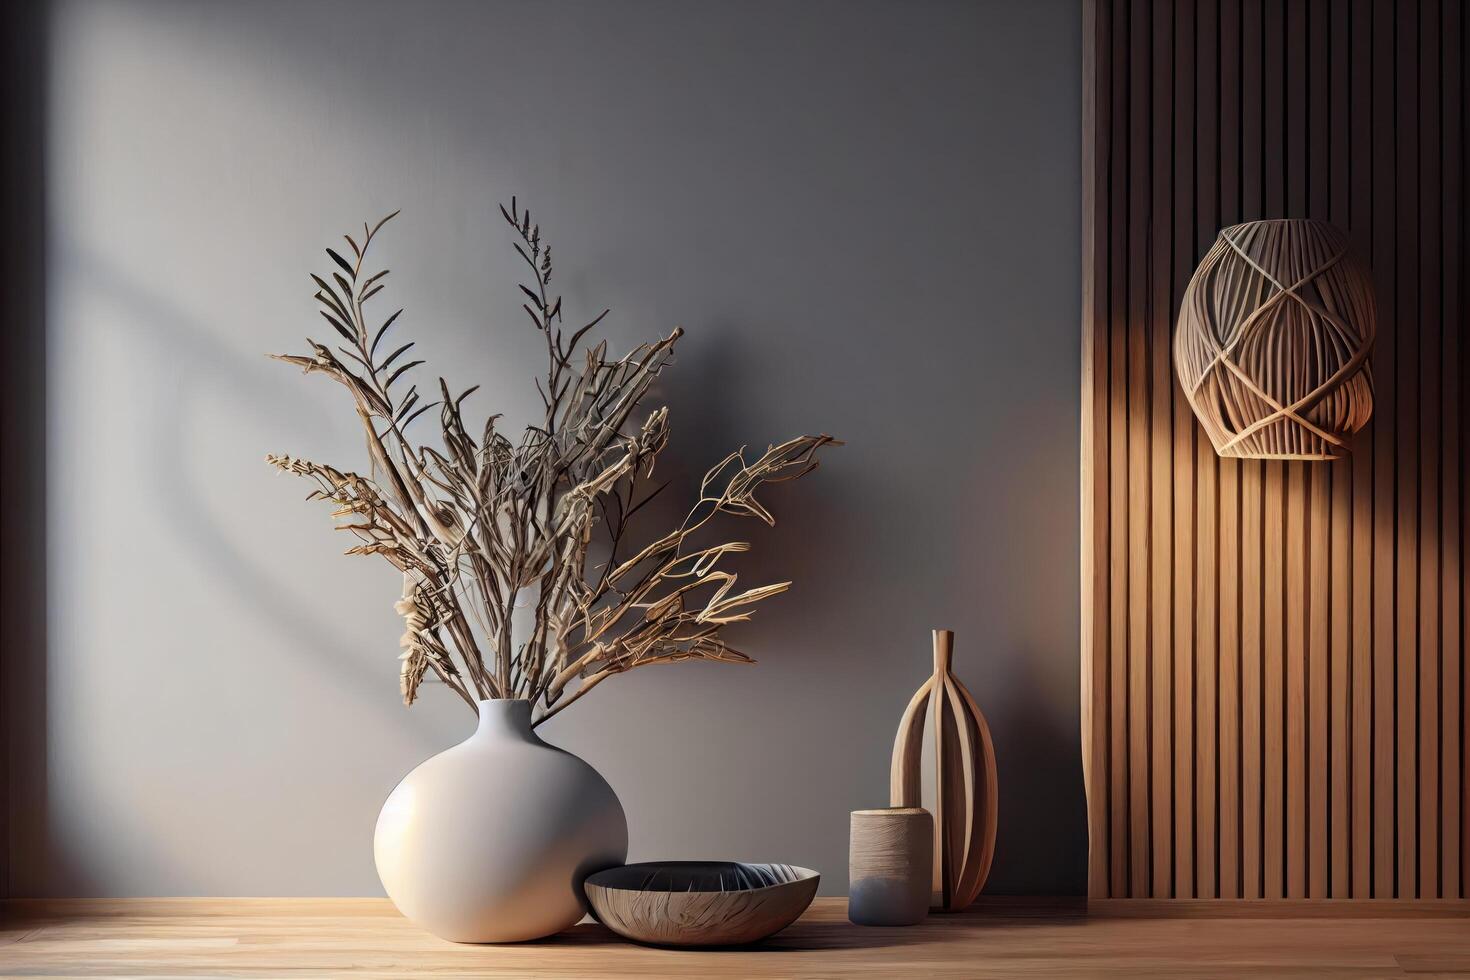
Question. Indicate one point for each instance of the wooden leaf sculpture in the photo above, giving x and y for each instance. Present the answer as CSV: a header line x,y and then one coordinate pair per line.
x,y
964,779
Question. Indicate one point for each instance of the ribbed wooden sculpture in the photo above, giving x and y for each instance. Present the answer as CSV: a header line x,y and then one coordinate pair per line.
x,y
964,808
1273,339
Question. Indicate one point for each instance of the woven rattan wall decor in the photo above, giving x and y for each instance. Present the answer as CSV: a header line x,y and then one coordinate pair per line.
x,y
1273,339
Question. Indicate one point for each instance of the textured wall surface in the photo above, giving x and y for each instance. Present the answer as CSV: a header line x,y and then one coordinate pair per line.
x,y
864,214
1274,651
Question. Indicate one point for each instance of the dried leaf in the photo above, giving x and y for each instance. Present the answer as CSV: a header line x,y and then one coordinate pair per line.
x,y
381,223
388,361
422,409
346,266
382,330
395,375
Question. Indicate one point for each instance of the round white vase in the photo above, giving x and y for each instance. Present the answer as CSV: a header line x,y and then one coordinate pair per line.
x,y
489,841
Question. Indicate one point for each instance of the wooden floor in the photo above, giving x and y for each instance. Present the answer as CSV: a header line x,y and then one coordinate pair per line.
x,y
1001,938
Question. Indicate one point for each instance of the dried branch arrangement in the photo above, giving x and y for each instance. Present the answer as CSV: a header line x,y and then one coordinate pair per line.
x,y
481,526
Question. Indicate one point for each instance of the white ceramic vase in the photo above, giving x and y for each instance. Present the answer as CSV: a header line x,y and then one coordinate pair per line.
x,y
489,841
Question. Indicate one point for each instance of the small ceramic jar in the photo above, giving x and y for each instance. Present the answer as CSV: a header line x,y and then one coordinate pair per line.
x,y
890,866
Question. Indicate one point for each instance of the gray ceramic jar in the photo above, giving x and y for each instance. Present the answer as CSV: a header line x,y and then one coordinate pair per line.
x,y
890,864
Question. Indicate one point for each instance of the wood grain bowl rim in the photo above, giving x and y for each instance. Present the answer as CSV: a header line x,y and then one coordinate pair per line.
x,y
804,876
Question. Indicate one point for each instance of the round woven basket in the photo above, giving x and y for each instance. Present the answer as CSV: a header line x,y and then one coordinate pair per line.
x,y
1273,339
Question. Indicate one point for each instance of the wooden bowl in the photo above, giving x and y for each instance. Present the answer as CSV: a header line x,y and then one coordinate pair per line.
x,y
700,903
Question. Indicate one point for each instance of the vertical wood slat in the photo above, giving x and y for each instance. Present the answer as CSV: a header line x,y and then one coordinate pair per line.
x,y
1452,455
1295,779
1120,732
1459,276
1319,572
1406,550
1359,225
1382,360
1274,684
1094,488
1319,772
1206,183
1229,687
1229,489
1252,661
1161,463
1182,625
1427,364
1273,652
1253,478
1336,77
1297,476
1140,813
1274,557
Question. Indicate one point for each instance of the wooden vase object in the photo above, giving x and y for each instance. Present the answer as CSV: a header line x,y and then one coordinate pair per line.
x,y
964,807
890,866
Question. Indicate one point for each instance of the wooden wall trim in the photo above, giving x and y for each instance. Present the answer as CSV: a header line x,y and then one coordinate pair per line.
x,y
1273,676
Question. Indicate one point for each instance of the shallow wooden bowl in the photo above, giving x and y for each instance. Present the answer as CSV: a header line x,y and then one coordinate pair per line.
x,y
700,903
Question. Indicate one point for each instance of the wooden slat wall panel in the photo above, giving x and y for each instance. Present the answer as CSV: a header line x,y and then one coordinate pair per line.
x,y
1274,677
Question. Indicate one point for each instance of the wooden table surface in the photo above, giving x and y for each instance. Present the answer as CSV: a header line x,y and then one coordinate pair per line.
x,y
999,938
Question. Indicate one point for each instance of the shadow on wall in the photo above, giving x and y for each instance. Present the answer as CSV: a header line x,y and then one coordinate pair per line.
x,y
22,518
177,487
1042,808
197,358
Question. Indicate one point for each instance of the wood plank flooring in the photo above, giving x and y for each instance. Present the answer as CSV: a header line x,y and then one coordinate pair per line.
x,y
998,938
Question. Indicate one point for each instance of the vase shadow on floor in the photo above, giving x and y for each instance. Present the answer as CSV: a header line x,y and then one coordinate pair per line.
x,y
799,938
803,937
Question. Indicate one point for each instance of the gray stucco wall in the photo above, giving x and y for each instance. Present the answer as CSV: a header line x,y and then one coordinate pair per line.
x,y
865,214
